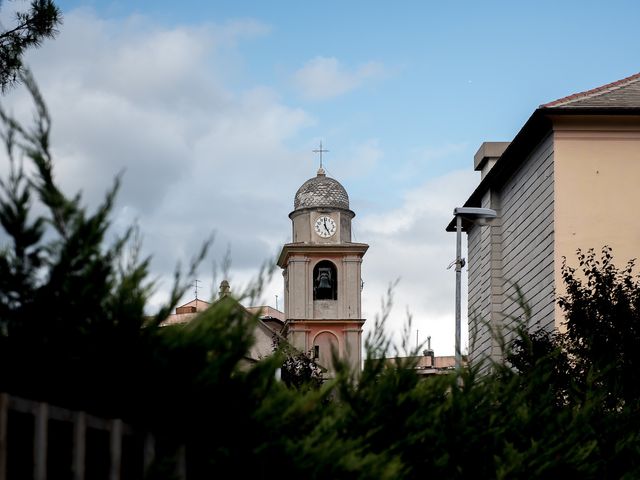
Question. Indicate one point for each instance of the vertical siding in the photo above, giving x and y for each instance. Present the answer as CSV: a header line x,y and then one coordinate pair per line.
x,y
527,240
479,286
516,250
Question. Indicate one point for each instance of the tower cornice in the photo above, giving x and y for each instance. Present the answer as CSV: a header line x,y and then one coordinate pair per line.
x,y
301,211
317,249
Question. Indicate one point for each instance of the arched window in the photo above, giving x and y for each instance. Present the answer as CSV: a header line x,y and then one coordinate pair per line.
x,y
323,346
325,281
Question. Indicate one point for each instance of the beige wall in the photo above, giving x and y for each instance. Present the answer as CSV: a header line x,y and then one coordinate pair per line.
x,y
263,343
597,194
303,222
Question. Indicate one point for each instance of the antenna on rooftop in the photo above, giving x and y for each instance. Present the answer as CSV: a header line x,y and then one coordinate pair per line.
x,y
195,283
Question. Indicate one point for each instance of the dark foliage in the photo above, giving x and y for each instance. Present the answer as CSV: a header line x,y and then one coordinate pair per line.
x,y
592,367
65,295
602,310
72,323
298,369
73,332
29,29
598,350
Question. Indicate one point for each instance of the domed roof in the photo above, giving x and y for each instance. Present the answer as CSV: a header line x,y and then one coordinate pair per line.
x,y
321,191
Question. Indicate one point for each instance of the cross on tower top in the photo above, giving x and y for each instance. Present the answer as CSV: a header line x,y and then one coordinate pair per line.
x,y
320,151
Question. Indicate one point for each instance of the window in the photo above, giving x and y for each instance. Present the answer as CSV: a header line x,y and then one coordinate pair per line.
x,y
325,345
325,281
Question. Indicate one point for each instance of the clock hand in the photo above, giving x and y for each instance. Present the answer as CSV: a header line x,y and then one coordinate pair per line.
x,y
325,225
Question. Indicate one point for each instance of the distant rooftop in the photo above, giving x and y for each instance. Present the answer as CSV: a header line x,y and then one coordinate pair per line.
x,y
266,312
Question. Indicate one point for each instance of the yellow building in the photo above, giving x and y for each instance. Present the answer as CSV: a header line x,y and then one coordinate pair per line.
x,y
568,180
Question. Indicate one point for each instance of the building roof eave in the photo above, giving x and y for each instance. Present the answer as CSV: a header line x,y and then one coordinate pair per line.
x,y
537,127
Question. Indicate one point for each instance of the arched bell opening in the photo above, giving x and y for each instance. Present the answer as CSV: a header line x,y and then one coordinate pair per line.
x,y
325,281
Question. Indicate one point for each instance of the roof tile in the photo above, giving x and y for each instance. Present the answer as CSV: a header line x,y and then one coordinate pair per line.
x,y
624,93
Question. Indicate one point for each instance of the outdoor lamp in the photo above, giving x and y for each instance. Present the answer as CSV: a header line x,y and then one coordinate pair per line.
x,y
477,216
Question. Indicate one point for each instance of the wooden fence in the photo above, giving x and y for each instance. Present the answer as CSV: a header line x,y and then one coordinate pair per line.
x,y
41,441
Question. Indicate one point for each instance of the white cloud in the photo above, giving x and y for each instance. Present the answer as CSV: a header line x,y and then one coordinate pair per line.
x,y
201,155
324,77
440,152
428,157
360,159
198,155
410,244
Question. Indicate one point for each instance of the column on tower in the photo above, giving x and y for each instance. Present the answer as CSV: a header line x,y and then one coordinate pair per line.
x,y
349,306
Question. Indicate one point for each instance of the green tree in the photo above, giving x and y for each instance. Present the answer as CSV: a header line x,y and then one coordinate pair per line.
x,y
592,366
602,340
598,350
71,303
73,332
28,30
298,369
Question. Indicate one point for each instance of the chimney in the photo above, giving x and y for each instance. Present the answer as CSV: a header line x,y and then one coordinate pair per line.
x,y
429,353
224,289
487,155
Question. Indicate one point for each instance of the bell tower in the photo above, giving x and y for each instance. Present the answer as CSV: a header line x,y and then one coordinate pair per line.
x,y
322,274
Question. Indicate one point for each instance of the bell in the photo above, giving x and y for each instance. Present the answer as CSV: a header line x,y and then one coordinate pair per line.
x,y
324,283
324,279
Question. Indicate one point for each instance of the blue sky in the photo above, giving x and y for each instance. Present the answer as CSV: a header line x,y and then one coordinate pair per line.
x,y
213,108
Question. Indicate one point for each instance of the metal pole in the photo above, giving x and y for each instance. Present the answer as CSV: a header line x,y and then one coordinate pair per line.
x,y
458,288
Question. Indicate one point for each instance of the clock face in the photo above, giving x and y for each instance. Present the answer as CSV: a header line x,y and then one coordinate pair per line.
x,y
325,226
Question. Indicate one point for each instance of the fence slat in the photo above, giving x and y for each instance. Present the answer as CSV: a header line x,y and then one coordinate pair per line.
x,y
40,442
79,444
4,410
42,413
149,451
181,467
115,447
